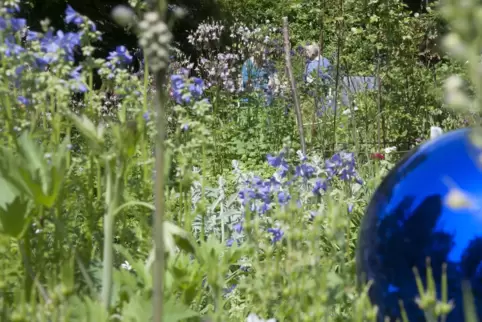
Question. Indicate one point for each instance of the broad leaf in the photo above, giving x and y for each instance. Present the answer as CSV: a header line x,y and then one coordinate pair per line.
x,y
14,218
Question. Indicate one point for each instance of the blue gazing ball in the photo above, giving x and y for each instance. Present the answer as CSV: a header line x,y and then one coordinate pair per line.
x,y
428,206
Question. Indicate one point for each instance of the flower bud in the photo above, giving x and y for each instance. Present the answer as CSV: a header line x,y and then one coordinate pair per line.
x,y
455,45
152,17
180,13
453,83
123,15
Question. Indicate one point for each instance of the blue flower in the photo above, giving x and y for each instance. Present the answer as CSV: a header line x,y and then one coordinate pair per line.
x,y
350,207
18,24
78,85
229,289
196,88
51,43
305,171
313,214
319,185
177,85
120,55
16,78
23,100
12,48
19,70
277,234
42,61
93,27
72,16
32,35
342,164
245,195
278,162
185,94
13,8
3,23
238,227
283,198
75,74
146,116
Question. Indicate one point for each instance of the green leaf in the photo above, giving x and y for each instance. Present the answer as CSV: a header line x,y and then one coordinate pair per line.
x,y
175,236
13,217
139,308
94,134
138,267
8,193
29,172
174,312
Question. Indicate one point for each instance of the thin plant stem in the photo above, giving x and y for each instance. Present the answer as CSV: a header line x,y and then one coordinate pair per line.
x,y
337,77
159,184
299,118
160,7
114,180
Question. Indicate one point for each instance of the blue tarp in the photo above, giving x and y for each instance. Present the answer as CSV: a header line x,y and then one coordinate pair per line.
x,y
349,87
356,84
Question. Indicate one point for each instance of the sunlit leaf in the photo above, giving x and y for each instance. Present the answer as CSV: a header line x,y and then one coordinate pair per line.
x,y
176,236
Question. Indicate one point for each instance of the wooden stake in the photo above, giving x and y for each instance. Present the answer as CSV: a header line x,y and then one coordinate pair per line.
x,y
299,119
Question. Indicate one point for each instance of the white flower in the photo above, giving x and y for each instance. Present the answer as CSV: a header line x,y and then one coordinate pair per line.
x,y
348,111
435,132
390,149
301,155
126,266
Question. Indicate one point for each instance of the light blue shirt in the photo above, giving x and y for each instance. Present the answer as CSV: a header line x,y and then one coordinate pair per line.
x,y
321,64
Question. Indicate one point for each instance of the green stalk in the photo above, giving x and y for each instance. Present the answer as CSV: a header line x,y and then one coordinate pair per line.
x,y
145,149
159,185
113,192
27,254
159,6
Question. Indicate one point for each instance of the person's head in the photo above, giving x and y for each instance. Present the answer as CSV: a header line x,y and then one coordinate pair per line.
x,y
312,51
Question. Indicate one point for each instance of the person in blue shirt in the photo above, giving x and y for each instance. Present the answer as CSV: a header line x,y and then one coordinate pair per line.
x,y
320,66
316,63
260,75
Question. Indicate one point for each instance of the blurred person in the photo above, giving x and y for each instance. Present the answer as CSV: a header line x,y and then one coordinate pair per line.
x,y
319,66
316,62
259,74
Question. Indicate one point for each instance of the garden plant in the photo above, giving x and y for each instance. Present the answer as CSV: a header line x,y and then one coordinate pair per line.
x,y
173,193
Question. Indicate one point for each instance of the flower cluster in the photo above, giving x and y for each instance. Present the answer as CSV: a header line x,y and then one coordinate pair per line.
x,y
250,41
119,57
342,165
154,38
220,65
53,52
222,71
44,51
207,35
185,91
309,179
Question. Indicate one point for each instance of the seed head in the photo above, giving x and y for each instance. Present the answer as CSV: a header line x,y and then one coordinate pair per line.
x,y
155,37
123,15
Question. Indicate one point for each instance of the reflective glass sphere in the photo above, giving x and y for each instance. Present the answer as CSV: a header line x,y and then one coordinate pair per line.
x,y
416,214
